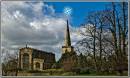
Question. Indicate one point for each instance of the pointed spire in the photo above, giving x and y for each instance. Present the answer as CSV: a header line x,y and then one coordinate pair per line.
x,y
67,36
26,45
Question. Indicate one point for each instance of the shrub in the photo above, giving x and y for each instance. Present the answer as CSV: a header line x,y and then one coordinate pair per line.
x,y
34,71
84,72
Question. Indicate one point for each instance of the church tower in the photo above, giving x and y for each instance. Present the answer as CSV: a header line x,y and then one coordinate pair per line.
x,y
69,56
67,42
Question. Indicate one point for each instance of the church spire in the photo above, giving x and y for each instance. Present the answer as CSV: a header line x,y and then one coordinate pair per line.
x,y
67,43
67,36
26,45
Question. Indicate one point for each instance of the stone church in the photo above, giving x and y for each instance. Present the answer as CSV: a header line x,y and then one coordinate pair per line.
x,y
33,59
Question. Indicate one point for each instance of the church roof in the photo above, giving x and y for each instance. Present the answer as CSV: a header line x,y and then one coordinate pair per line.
x,y
40,53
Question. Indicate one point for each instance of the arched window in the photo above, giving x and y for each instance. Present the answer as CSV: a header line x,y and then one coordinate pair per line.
x,y
37,65
25,61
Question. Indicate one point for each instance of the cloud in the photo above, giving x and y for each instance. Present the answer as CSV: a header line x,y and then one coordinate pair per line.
x,y
33,23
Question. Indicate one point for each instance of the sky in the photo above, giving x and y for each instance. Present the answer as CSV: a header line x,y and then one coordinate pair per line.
x,y
41,25
80,10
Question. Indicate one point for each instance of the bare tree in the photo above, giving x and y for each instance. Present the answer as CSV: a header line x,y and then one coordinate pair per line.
x,y
9,62
106,38
118,27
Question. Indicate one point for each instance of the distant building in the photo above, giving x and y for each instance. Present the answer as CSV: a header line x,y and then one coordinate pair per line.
x,y
33,59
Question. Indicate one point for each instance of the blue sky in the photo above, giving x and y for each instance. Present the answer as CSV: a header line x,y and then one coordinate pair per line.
x,y
79,9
